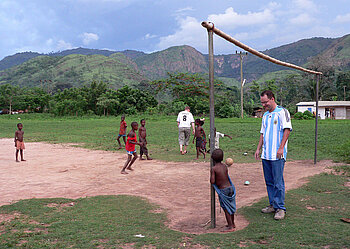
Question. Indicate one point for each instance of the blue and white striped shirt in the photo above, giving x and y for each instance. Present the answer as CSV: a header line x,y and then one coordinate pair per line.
x,y
272,128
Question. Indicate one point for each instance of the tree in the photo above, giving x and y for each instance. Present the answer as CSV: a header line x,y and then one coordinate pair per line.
x,y
8,93
343,85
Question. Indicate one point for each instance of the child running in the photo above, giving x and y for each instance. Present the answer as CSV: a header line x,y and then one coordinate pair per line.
x,y
130,148
198,133
143,140
19,144
224,187
122,131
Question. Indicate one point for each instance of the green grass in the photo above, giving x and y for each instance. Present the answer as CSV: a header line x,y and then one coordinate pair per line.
x,y
162,133
312,221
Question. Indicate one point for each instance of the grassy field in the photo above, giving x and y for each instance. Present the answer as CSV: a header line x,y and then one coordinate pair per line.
x,y
313,216
162,132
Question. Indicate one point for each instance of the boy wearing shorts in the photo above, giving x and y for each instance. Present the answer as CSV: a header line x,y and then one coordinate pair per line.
x,y
130,148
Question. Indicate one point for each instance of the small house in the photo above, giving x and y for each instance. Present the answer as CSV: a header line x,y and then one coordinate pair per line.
x,y
327,109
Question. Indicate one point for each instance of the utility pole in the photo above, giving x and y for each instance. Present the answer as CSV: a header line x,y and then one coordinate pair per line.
x,y
241,55
344,92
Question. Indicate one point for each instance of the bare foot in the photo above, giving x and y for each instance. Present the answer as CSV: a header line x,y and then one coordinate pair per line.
x,y
131,169
120,148
142,158
124,172
148,158
23,160
17,161
228,230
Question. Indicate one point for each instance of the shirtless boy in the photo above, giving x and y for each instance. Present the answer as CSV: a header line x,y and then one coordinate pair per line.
x,y
199,135
19,144
224,187
143,140
130,148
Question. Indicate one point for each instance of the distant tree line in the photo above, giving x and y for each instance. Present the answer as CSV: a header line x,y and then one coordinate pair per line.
x,y
97,98
182,89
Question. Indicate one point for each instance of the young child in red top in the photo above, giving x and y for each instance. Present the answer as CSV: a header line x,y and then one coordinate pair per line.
x,y
130,148
122,131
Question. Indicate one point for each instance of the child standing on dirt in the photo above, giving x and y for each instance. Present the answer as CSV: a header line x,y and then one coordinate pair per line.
x,y
224,187
143,140
198,133
130,148
218,135
122,131
19,144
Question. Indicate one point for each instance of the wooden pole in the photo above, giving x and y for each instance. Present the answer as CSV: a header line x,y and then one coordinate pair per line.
x,y
212,119
316,119
253,51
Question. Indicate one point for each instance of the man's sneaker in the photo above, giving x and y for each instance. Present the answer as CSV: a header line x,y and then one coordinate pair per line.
x,y
268,209
280,213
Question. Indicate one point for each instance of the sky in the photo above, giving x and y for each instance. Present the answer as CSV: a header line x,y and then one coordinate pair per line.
x,y
46,26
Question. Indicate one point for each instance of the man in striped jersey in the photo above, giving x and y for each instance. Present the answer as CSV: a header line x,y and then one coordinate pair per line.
x,y
275,129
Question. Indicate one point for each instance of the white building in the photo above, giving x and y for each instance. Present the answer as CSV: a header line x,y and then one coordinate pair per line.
x,y
327,109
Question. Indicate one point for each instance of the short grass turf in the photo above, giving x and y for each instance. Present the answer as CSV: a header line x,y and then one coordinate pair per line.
x,y
313,220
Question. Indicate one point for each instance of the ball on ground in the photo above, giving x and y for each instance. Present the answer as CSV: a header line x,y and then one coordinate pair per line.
x,y
229,161
246,183
19,118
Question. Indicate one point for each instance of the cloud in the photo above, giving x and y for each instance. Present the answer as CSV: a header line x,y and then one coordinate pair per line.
x,y
305,4
252,25
89,37
190,33
149,36
342,18
185,9
302,19
233,19
62,45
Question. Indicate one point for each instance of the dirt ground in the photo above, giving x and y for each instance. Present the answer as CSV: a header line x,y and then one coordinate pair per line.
x,y
182,189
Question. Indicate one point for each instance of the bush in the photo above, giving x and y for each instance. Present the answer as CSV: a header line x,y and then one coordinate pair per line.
x,y
304,115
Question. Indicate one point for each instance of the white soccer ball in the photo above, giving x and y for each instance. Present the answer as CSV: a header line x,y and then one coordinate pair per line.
x,y
246,183
19,118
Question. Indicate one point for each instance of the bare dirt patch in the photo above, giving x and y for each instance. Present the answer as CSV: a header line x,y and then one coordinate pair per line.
x,y
183,189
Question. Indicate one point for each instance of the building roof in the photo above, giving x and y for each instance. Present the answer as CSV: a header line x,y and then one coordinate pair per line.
x,y
325,103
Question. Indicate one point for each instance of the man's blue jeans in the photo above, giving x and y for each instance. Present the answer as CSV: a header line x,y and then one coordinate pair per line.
x,y
273,173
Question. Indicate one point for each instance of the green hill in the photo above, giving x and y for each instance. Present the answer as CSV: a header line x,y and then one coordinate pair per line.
x,y
72,70
80,66
174,59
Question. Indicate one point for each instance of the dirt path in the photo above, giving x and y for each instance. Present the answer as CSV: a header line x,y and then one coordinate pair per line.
x,y
56,170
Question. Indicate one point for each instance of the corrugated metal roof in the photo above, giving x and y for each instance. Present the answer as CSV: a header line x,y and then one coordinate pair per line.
x,y
325,103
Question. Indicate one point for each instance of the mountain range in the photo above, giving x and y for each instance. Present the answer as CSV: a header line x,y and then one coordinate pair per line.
x,y
80,66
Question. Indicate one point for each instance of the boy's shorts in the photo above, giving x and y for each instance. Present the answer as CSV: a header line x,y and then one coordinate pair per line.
x,y
121,135
130,152
20,145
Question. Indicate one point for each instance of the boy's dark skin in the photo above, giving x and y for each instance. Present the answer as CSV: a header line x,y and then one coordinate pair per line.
x,y
198,133
143,140
129,162
19,137
120,145
219,176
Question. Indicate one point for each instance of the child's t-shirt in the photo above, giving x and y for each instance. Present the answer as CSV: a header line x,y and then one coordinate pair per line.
x,y
122,129
129,146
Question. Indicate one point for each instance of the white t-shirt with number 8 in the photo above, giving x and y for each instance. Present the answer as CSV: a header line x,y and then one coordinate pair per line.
x,y
185,119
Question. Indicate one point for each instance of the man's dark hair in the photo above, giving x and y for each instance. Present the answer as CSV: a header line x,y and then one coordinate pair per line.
x,y
19,124
142,120
268,93
187,108
217,155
